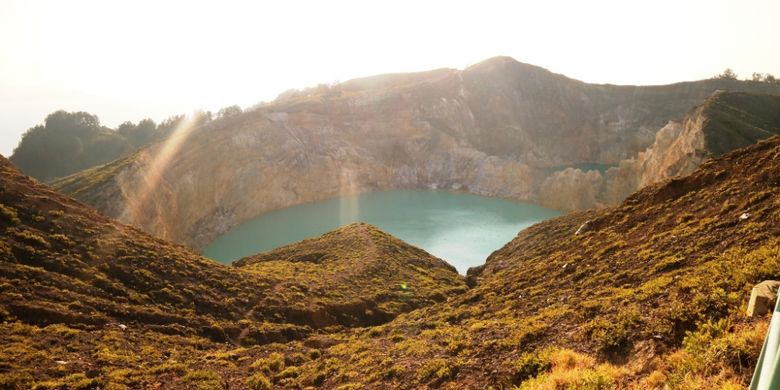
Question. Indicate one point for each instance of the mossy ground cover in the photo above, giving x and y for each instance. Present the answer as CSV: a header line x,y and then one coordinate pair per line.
x,y
354,275
650,295
86,302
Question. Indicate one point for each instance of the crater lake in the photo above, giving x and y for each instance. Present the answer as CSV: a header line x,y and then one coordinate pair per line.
x,y
461,228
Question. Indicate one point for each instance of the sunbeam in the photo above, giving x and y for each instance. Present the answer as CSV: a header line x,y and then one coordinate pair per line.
x,y
151,176
348,201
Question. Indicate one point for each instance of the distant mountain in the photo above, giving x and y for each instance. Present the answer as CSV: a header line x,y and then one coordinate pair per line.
x,y
498,128
648,294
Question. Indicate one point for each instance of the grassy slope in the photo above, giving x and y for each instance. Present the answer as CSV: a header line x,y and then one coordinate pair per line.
x,y
69,276
651,294
93,178
372,275
738,119
63,262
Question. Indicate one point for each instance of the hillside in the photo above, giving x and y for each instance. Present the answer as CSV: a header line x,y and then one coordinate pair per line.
x,y
102,296
648,294
498,128
365,273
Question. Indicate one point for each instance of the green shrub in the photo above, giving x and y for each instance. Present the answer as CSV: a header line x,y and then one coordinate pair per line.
x,y
530,365
289,372
176,368
271,363
31,238
437,369
204,379
8,214
259,381
668,264
613,335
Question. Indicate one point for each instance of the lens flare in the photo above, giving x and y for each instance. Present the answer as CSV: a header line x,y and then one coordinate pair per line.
x,y
151,177
348,200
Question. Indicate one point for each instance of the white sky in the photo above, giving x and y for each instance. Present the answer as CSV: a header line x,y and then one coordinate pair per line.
x,y
134,59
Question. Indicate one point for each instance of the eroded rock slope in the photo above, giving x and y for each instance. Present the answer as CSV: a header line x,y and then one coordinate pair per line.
x,y
724,122
498,128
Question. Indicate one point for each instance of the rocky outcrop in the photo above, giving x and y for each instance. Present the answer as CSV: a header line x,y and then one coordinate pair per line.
x,y
724,122
763,298
496,128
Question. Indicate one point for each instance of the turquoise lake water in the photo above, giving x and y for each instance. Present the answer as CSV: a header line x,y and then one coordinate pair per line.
x,y
461,228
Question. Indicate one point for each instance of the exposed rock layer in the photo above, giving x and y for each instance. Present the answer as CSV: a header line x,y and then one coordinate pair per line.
x,y
498,128
724,122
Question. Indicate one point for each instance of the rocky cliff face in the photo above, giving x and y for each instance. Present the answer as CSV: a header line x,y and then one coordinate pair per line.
x,y
497,128
724,122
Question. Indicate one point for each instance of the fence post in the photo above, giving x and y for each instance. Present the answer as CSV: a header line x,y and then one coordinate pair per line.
x,y
767,373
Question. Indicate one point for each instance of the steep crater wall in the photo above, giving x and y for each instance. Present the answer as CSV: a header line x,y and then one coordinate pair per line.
x,y
493,129
724,122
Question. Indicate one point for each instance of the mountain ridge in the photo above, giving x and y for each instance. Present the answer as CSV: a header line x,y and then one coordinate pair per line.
x,y
492,129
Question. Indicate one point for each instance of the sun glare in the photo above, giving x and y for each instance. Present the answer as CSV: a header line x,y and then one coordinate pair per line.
x,y
348,200
153,173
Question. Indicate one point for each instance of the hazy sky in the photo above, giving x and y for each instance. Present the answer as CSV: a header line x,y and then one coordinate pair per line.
x,y
134,59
